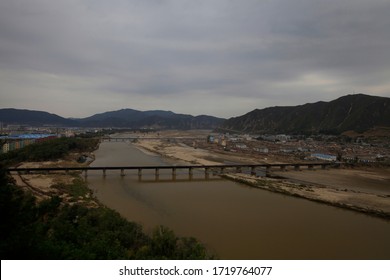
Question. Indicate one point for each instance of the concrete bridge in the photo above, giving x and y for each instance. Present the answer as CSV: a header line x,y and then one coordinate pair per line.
x,y
216,169
132,139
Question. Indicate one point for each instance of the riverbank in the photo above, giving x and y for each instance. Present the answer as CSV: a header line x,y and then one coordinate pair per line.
x,y
68,186
69,222
361,190
367,203
365,191
54,229
180,151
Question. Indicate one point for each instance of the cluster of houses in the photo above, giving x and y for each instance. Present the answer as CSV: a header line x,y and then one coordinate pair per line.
x,y
14,142
307,148
13,137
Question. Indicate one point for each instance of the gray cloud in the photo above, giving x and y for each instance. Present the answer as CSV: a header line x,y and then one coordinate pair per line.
x,y
223,57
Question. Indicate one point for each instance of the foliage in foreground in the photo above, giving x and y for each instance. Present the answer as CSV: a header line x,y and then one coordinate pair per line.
x,y
50,230
49,150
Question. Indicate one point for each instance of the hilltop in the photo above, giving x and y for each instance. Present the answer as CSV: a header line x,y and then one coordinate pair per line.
x,y
127,118
358,112
157,119
34,118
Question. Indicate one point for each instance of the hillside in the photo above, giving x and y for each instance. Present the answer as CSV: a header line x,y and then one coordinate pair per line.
x,y
356,112
34,118
128,118
152,119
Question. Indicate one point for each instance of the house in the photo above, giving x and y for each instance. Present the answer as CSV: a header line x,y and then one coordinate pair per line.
x,y
324,157
263,150
241,146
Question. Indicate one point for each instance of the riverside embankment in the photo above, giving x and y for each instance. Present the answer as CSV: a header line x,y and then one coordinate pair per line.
x,y
362,190
234,220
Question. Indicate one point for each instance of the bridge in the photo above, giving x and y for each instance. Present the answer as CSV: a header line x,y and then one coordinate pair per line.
x,y
216,169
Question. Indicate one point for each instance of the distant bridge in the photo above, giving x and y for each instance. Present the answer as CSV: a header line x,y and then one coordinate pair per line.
x,y
219,169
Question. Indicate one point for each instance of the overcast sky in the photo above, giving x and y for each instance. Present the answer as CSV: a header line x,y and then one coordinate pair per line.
x,y
225,58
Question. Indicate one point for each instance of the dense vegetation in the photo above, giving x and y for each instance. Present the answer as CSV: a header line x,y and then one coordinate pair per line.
x,y
56,229
52,230
49,150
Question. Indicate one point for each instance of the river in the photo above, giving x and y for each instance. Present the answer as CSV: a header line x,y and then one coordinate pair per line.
x,y
234,221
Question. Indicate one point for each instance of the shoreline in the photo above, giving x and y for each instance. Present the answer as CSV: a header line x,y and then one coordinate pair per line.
x,y
324,195
300,184
351,198
61,184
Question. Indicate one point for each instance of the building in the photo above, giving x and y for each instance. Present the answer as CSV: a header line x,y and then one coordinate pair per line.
x,y
324,157
14,142
241,146
210,139
262,150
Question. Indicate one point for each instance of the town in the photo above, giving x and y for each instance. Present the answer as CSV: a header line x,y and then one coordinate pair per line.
x,y
299,147
262,148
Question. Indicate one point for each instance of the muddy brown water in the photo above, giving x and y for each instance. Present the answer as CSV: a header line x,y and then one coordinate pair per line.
x,y
234,221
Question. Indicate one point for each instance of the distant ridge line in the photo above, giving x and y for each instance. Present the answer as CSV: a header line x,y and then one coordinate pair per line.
x,y
357,113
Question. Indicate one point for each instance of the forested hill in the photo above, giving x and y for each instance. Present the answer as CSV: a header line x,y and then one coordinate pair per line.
x,y
356,112
154,119
34,118
128,118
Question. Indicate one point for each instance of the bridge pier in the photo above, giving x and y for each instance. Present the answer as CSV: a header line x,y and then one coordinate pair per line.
x,y
215,169
253,170
207,172
190,173
267,171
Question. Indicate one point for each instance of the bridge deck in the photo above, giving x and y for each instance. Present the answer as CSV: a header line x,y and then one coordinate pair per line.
x,y
219,166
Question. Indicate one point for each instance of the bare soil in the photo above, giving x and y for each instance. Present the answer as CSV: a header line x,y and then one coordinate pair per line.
x,y
365,190
44,186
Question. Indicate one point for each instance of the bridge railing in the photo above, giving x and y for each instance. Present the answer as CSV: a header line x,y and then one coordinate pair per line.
x,y
237,168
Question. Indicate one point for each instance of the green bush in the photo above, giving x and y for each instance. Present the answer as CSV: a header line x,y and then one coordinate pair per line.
x,y
51,230
49,150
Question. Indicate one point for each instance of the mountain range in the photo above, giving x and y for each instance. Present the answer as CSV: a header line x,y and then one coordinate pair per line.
x,y
34,118
356,112
128,118
157,119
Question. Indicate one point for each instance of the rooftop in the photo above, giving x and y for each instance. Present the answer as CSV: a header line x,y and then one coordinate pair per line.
x,y
27,136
